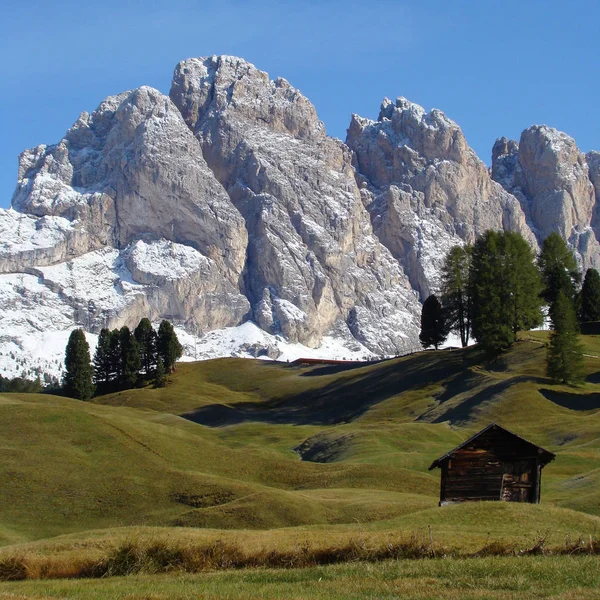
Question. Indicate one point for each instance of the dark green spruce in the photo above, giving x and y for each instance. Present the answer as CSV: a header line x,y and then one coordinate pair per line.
x,y
590,297
456,292
130,358
102,360
505,289
565,353
168,346
77,382
433,323
114,346
559,271
159,378
146,339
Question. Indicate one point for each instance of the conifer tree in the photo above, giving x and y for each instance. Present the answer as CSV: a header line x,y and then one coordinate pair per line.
x,y
146,338
102,360
114,359
565,353
558,268
130,357
456,293
159,378
505,289
433,323
78,368
168,346
590,297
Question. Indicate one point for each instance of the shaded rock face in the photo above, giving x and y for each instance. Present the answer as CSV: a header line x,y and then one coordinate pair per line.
x,y
593,161
312,258
132,171
554,183
425,188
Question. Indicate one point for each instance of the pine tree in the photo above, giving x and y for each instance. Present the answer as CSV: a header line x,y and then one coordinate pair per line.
x,y
130,357
78,369
168,346
159,378
114,359
146,338
102,360
505,289
590,297
433,323
558,268
456,296
565,353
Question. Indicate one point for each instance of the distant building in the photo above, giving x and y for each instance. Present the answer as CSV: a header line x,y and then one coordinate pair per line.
x,y
494,464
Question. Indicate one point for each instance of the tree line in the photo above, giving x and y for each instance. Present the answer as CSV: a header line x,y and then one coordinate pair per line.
x,y
497,287
122,360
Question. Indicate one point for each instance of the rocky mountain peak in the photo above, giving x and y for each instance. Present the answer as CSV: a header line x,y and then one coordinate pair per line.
x,y
504,147
405,124
425,182
227,85
549,157
226,208
505,157
312,262
552,180
129,170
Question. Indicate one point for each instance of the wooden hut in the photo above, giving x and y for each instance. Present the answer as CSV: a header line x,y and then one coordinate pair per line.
x,y
494,464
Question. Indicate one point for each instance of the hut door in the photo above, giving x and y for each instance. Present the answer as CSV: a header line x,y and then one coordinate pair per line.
x,y
517,481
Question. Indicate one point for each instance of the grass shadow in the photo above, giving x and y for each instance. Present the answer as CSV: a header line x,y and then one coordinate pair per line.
x,y
345,398
572,401
593,377
465,410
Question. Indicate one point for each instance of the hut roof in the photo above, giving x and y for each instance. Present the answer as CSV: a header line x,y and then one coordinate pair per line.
x,y
545,455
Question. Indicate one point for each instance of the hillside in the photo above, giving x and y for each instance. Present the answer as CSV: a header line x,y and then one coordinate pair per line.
x,y
326,450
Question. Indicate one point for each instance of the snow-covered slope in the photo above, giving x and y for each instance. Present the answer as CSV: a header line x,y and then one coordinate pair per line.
x,y
97,290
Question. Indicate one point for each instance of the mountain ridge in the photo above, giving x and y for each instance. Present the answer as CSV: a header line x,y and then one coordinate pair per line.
x,y
226,202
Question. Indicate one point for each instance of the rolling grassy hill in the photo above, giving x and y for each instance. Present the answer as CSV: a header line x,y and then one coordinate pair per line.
x,y
270,454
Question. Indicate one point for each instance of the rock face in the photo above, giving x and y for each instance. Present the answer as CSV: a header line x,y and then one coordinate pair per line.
x,y
554,184
226,208
223,203
312,258
425,189
132,171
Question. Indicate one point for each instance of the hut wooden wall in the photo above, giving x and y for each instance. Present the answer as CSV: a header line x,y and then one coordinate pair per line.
x,y
494,466
472,474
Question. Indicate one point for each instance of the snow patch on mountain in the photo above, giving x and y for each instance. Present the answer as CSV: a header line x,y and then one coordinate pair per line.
x,y
250,341
20,232
34,327
167,260
97,279
32,354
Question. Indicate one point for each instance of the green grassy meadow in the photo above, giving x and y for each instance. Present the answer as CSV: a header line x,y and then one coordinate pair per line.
x,y
277,458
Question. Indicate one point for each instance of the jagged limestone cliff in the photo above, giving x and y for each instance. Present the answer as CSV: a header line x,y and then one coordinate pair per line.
x,y
554,183
226,208
425,188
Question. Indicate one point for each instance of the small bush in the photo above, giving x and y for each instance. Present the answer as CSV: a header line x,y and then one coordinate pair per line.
x,y
13,568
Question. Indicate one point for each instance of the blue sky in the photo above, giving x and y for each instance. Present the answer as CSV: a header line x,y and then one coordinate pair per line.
x,y
494,67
